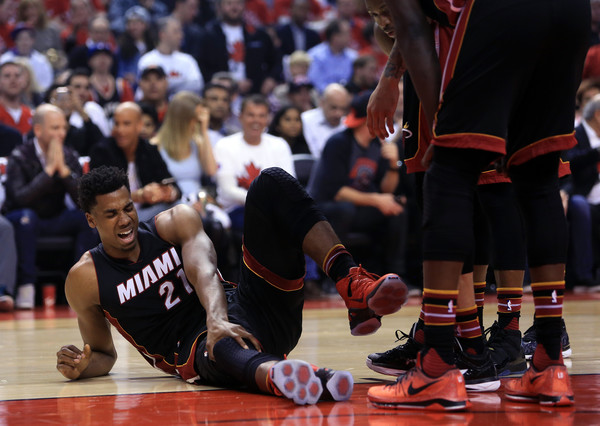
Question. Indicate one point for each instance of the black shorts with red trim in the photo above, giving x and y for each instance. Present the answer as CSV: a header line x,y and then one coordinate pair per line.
x,y
510,81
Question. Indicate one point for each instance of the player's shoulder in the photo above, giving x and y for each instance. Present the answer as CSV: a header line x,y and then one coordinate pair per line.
x,y
82,277
181,219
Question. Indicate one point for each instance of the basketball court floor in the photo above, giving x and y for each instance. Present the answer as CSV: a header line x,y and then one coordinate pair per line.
x,y
33,392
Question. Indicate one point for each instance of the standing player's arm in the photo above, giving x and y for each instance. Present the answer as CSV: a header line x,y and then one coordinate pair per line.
x,y
98,355
182,226
413,50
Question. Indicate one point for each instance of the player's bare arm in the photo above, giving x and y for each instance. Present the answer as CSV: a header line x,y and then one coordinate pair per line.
x,y
414,47
182,226
98,354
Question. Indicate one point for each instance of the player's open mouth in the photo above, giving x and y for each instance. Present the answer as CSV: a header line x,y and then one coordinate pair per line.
x,y
126,236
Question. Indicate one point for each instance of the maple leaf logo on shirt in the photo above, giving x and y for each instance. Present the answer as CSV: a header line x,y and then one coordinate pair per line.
x,y
252,173
238,53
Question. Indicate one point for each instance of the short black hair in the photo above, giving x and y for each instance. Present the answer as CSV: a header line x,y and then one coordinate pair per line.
x,y
77,72
99,181
149,110
212,85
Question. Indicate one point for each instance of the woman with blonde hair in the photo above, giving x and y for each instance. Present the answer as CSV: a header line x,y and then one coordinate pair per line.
x,y
185,147
184,143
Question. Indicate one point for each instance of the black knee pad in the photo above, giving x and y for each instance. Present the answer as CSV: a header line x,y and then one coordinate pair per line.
x,y
240,363
449,202
284,202
536,187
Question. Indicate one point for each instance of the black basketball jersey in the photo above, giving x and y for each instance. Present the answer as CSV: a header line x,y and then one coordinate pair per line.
x,y
152,304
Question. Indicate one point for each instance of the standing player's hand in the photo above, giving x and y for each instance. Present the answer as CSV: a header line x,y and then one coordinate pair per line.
x,y
71,361
221,329
381,108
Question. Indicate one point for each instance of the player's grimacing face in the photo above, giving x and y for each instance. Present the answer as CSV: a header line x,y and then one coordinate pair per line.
x,y
380,13
116,219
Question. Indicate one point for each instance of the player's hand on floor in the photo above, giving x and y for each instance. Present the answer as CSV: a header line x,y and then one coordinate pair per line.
x,y
71,361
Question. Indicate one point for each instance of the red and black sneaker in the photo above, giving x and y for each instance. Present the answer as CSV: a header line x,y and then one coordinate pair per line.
x,y
368,297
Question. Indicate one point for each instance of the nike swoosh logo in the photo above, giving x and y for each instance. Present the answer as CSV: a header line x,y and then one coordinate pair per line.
x,y
414,391
534,379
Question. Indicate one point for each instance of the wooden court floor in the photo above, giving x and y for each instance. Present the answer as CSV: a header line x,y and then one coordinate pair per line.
x,y
32,391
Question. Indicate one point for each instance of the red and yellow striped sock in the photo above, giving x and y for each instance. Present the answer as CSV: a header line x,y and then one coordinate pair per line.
x,y
468,330
439,308
548,299
509,307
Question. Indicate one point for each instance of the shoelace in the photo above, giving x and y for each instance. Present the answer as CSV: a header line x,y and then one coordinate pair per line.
x,y
493,332
363,271
400,379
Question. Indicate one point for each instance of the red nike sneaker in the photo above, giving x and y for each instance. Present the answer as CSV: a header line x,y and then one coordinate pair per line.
x,y
549,387
368,297
417,391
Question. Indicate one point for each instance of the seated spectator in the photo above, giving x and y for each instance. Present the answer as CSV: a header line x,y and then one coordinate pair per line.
x,y
586,91
333,58
81,139
346,11
354,183
32,94
13,112
322,122
243,155
8,265
77,23
295,35
302,94
364,75
149,121
24,39
181,69
185,11
584,159
107,91
287,124
99,35
46,35
298,65
373,49
10,138
152,186
184,145
117,8
225,78
78,82
154,87
40,173
283,9
218,102
8,12
135,41
230,44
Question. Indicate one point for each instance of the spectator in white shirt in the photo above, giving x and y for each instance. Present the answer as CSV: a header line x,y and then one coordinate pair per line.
x,y
322,122
181,69
243,155
79,84
24,37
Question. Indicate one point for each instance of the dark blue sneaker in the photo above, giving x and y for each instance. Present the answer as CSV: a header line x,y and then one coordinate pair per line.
x,y
529,342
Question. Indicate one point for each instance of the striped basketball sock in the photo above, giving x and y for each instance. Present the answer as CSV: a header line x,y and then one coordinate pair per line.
x,y
548,300
338,262
468,330
439,307
420,330
509,307
479,288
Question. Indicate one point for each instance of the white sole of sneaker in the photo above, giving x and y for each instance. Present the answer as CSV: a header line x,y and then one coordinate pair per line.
x,y
483,387
389,296
297,381
340,385
384,370
565,354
